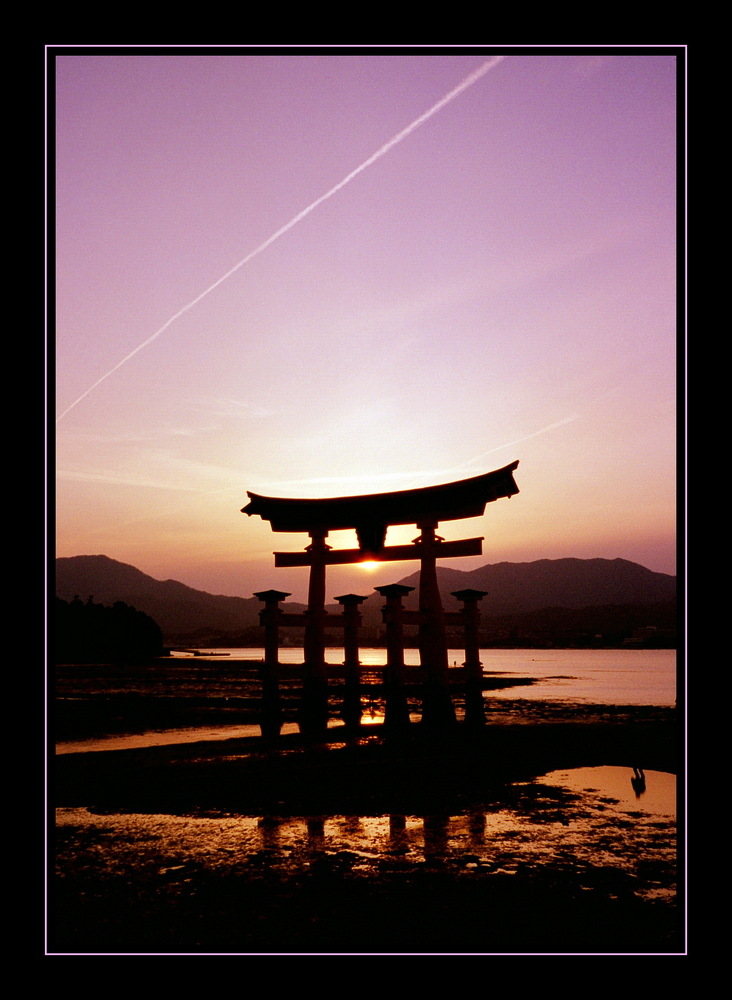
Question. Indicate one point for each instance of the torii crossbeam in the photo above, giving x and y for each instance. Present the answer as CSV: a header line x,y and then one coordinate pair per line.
x,y
371,514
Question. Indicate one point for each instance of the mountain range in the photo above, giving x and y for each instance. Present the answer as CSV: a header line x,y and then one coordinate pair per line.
x,y
594,594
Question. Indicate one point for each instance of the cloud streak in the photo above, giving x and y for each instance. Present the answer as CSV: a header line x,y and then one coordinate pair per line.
x,y
382,151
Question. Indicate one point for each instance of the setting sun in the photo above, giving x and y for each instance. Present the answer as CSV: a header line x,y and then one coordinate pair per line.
x,y
369,564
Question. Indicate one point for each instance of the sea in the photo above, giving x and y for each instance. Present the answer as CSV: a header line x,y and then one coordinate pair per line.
x,y
594,676
621,677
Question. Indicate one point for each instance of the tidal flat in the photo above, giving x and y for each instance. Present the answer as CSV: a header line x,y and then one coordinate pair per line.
x,y
527,838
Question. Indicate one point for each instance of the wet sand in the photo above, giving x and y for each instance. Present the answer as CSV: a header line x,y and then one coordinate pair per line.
x,y
294,880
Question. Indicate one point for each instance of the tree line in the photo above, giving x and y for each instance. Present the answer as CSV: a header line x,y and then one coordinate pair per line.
x,y
86,632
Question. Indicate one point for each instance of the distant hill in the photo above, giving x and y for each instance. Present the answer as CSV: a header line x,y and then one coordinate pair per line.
x,y
181,612
517,592
535,593
555,583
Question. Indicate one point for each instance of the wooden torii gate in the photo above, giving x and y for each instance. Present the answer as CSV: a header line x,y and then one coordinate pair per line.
x,y
370,516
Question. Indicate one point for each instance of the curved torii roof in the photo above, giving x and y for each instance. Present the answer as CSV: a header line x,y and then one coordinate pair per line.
x,y
372,513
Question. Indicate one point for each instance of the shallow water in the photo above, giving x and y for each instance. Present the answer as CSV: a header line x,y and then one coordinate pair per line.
x,y
188,734
626,677
164,737
586,825
576,842
654,794
594,815
599,676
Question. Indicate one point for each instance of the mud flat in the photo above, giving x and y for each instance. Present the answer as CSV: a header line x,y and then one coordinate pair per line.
x,y
368,845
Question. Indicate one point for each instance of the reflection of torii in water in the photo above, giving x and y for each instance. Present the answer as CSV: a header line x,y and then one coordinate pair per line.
x,y
638,781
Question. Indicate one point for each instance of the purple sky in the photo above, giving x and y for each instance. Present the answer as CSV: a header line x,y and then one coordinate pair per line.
x,y
498,284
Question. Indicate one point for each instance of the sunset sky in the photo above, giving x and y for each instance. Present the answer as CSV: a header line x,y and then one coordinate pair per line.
x,y
320,274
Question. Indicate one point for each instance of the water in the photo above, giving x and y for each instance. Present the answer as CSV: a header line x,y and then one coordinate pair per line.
x,y
600,798
593,676
535,848
596,677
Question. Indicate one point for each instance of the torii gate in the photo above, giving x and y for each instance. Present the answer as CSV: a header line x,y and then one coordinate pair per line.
x,y
370,516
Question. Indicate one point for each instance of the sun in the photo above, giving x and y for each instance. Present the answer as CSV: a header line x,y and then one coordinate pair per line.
x,y
369,564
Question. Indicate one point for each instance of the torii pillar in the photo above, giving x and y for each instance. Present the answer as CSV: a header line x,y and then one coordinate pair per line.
x,y
474,708
271,721
438,711
351,713
396,716
313,720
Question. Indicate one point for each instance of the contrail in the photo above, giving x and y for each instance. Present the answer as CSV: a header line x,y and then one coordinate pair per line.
x,y
467,82
465,466
527,437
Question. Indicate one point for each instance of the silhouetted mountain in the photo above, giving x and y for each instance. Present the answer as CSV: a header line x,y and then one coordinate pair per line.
x,y
554,583
183,614
528,597
529,591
